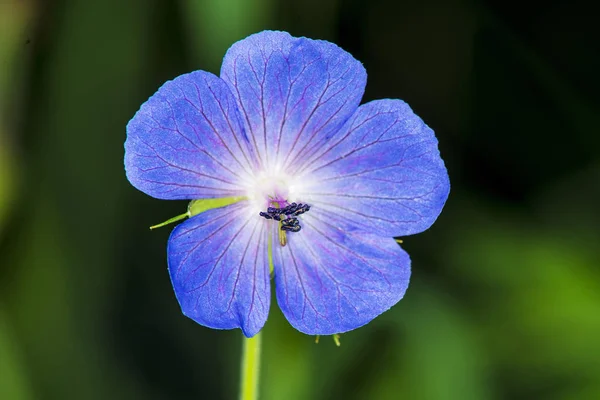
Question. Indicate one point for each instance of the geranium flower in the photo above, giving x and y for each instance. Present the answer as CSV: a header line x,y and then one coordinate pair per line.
x,y
321,186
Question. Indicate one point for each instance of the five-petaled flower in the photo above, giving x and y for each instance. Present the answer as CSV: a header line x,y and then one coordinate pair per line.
x,y
325,186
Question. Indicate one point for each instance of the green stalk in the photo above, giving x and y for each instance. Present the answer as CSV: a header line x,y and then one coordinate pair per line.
x,y
250,371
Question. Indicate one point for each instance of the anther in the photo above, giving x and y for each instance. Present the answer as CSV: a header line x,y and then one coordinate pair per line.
x,y
290,222
289,228
264,214
301,209
286,217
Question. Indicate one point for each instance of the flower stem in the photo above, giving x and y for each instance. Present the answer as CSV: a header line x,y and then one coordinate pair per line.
x,y
250,371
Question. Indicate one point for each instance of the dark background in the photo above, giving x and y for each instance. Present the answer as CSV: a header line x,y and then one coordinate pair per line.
x,y
504,301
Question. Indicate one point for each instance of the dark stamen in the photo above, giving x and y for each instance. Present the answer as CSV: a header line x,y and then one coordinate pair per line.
x,y
290,222
295,228
287,215
264,214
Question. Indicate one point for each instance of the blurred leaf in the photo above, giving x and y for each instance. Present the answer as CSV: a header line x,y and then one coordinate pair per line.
x,y
570,203
39,301
536,122
214,25
7,180
14,384
15,15
439,358
63,257
539,301
433,69
288,365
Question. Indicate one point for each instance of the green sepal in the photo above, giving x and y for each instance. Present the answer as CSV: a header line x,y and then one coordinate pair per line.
x,y
199,206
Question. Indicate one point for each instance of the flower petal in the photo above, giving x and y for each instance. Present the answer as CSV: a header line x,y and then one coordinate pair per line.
x,y
329,281
382,173
294,93
219,268
187,141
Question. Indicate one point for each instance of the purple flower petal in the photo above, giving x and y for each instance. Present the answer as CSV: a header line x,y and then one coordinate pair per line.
x,y
328,281
382,173
293,93
219,268
187,141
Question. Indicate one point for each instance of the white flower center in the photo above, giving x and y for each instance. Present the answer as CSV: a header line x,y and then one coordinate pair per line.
x,y
272,189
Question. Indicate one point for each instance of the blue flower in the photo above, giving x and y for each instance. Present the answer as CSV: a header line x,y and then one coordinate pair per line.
x,y
325,186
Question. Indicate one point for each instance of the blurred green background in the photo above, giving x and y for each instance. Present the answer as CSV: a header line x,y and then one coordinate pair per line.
x,y
505,296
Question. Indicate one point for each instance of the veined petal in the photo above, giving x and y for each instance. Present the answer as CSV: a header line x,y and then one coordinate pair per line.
x,y
294,93
330,281
382,173
219,268
187,141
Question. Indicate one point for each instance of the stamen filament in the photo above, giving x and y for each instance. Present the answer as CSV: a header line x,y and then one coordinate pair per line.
x,y
282,235
270,254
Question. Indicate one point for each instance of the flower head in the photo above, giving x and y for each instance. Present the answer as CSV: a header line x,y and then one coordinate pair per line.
x,y
325,186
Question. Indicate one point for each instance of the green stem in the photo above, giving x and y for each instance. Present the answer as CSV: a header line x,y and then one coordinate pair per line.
x,y
250,371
